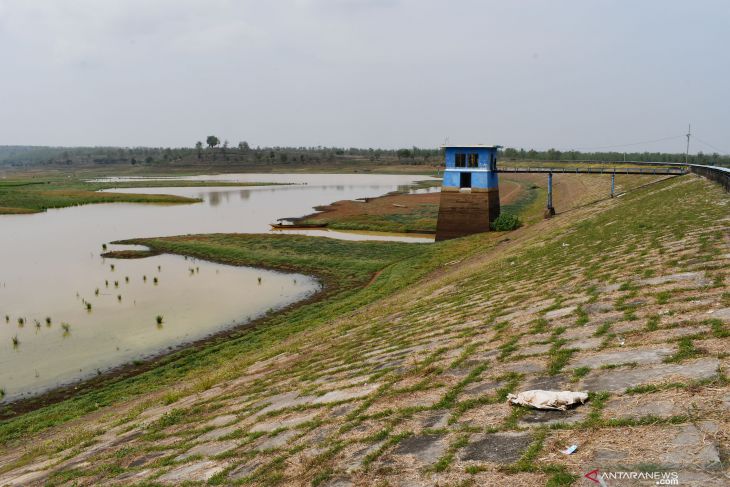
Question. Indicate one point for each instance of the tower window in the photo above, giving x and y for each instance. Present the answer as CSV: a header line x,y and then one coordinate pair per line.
x,y
460,160
473,160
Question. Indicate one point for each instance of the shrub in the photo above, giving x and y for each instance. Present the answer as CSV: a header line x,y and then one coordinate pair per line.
x,y
506,222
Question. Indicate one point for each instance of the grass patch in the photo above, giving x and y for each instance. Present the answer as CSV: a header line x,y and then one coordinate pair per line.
x,y
559,358
662,297
602,330
581,316
685,350
448,458
719,330
581,372
540,325
652,324
507,348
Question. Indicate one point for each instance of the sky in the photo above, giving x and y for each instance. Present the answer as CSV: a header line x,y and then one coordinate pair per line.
x,y
568,74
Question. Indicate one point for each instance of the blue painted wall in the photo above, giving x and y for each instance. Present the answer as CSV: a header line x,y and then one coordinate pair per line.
x,y
481,177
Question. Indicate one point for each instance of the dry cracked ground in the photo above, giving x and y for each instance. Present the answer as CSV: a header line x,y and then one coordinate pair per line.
x,y
627,299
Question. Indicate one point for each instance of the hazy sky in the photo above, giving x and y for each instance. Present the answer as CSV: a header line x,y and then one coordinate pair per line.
x,y
388,73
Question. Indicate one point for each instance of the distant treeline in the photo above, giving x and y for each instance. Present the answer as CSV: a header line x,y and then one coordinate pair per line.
x,y
217,153
214,153
577,156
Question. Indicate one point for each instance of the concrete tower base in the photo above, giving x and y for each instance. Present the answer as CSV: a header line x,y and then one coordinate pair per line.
x,y
466,212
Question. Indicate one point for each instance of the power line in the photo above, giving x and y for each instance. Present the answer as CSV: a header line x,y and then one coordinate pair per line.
x,y
721,151
631,144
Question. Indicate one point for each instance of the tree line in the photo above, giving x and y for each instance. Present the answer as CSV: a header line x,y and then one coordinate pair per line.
x,y
217,151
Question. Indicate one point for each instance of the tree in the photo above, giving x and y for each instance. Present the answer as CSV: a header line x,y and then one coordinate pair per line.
x,y
243,146
212,141
199,148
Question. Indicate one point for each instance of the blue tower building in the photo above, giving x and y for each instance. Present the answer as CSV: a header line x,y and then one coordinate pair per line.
x,y
469,192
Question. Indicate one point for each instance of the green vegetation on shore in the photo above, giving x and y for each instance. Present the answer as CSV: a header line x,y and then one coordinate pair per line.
x,y
32,196
342,264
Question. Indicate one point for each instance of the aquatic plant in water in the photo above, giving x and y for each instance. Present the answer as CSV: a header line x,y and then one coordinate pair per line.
x,y
159,319
16,342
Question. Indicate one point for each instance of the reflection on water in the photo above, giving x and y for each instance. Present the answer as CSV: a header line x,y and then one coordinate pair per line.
x,y
263,205
65,313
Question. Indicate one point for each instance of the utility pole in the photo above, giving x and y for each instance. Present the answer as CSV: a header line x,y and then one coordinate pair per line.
x,y
689,134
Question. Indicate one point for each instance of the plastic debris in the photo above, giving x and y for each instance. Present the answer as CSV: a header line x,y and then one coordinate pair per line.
x,y
538,399
570,449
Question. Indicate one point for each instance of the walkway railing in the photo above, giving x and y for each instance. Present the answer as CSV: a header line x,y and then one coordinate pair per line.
x,y
649,171
718,174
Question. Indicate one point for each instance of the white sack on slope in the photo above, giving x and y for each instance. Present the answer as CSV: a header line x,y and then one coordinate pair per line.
x,y
548,399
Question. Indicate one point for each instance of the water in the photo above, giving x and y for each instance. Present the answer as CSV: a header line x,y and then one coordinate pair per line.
x,y
51,267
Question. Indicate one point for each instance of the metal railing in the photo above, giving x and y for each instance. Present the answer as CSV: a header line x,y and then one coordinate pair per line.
x,y
719,174
596,170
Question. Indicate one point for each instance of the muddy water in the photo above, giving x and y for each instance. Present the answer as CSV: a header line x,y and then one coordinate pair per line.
x,y
50,267
251,210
